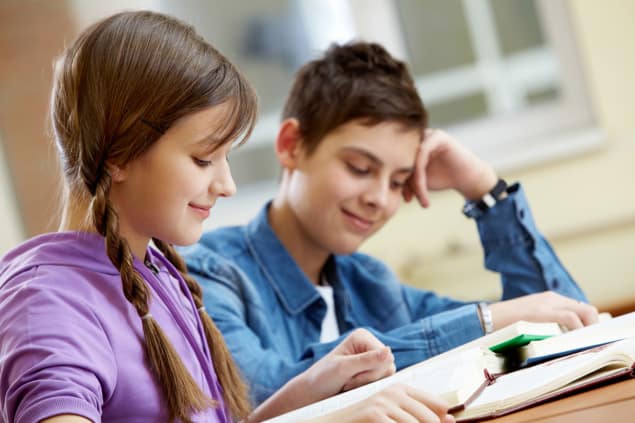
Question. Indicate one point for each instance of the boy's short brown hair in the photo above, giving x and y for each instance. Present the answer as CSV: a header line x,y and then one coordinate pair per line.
x,y
358,80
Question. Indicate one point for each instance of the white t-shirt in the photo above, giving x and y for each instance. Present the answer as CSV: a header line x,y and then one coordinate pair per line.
x,y
330,331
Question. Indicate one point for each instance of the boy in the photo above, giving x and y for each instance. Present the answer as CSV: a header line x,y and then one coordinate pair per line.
x,y
353,142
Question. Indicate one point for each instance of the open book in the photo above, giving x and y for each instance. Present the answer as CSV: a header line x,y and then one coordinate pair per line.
x,y
458,379
458,376
464,376
523,388
608,330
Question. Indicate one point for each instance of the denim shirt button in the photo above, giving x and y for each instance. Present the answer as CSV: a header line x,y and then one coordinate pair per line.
x,y
521,213
555,283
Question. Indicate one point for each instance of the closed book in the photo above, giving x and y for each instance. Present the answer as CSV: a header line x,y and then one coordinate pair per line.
x,y
607,330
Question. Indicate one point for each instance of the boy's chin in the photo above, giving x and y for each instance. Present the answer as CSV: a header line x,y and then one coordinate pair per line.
x,y
348,248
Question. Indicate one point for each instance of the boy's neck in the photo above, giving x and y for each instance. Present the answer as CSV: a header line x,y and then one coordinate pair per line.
x,y
309,257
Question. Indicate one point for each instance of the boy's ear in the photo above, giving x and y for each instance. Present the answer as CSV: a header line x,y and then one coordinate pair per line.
x,y
289,143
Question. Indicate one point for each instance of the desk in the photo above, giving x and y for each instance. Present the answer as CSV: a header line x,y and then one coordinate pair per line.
x,y
611,403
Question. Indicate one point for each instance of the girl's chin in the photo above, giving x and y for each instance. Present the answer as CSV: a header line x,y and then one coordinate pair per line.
x,y
186,240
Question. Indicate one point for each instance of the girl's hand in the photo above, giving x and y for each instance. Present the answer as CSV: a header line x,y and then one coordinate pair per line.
x,y
396,403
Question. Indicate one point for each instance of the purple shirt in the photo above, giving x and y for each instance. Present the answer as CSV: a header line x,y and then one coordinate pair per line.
x,y
70,342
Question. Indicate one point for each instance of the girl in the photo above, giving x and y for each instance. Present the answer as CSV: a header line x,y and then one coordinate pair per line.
x,y
94,323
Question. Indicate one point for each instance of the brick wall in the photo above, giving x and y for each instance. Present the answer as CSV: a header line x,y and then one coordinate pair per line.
x,y
32,33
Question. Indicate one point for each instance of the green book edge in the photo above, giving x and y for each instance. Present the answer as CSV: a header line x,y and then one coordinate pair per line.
x,y
516,341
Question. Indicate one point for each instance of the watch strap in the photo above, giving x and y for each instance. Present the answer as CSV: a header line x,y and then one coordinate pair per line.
x,y
476,209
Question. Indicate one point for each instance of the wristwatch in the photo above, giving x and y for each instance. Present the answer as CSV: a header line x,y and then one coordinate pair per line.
x,y
475,209
485,315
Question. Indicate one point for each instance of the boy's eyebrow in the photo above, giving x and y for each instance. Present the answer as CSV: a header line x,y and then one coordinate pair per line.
x,y
376,160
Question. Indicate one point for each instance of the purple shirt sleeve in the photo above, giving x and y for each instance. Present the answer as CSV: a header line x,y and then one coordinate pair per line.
x,y
56,356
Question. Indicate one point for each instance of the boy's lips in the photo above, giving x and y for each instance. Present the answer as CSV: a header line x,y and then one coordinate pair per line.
x,y
359,223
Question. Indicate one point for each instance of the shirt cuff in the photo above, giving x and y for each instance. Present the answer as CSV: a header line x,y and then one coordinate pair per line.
x,y
509,222
452,328
54,407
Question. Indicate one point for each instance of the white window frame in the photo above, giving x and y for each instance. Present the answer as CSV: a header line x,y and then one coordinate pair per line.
x,y
551,131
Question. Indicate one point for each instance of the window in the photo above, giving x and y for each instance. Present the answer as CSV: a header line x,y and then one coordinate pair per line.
x,y
503,74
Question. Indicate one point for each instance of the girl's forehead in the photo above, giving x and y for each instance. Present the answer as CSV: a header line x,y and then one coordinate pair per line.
x,y
204,130
203,123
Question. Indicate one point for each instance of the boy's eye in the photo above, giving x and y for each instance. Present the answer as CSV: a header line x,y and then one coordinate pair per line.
x,y
358,170
202,163
397,184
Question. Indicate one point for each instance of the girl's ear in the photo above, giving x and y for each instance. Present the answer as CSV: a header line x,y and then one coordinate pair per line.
x,y
289,143
117,173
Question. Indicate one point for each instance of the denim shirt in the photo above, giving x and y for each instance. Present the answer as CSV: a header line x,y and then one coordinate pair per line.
x,y
271,314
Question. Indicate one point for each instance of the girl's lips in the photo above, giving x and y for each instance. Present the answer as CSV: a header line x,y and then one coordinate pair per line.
x,y
202,211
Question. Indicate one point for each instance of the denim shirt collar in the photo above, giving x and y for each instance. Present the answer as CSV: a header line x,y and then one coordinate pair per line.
x,y
295,290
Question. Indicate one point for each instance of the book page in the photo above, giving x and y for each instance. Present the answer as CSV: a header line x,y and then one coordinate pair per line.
x,y
524,385
455,379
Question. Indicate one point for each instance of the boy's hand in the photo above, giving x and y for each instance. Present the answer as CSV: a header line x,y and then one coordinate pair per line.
x,y
544,307
442,163
357,360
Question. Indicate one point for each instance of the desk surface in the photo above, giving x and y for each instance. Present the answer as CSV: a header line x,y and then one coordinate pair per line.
x,y
615,402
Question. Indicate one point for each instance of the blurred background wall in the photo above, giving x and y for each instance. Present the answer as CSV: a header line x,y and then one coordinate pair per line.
x,y
542,89
585,204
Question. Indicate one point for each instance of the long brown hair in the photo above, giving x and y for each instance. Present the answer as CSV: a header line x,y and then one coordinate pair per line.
x,y
364,82
122,83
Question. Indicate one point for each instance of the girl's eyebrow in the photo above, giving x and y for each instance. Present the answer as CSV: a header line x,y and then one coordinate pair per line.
x,y
207,139
208,144
376,160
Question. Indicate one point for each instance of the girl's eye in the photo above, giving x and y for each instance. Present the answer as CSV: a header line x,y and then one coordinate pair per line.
x,y
358,170
202,163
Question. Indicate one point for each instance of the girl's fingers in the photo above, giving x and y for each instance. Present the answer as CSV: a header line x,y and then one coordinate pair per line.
x,y
433,402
